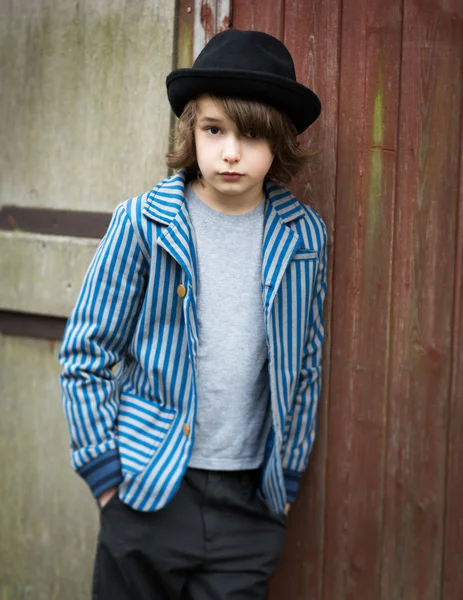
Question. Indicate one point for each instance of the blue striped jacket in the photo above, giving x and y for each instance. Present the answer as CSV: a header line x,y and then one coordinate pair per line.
x,y
134,425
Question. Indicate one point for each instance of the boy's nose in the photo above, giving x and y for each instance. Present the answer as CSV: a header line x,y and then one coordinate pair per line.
x,y
231,152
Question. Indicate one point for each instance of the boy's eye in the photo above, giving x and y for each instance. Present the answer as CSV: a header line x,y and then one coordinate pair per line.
x,y
213,130
253,135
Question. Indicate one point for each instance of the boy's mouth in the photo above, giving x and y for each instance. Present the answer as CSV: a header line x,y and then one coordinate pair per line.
x,y
231,175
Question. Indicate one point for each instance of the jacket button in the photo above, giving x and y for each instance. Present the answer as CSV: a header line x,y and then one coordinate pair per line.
x,y
181,290
186,429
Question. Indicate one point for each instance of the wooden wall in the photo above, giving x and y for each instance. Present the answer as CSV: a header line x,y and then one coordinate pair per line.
x,y
84,113
84,125
380,515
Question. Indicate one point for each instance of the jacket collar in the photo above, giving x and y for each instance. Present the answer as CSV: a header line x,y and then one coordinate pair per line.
x,y
166,200
166,204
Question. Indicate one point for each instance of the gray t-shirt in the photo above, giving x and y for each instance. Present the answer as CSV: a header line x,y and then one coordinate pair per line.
x,y
233,412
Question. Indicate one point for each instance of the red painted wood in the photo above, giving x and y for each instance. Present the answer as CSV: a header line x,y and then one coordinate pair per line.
x,y
366,177
313,37
453,549
380,515
259,16
422,301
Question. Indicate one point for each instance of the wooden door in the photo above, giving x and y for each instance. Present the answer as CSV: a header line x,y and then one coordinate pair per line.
x,y
380,513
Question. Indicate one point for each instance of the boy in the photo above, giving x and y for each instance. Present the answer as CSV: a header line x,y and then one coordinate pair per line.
x,y
208,292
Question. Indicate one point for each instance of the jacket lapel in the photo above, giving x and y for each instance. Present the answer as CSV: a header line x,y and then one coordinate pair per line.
x,y
167,205
280,241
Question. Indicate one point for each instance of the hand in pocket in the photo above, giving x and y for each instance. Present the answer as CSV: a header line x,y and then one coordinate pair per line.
x,y
106,496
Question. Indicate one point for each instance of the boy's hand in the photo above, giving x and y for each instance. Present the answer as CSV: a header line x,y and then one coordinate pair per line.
x,y
287,508
106,496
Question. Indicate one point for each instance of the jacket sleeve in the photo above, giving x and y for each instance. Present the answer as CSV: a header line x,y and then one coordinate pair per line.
x,y
303,425
97,335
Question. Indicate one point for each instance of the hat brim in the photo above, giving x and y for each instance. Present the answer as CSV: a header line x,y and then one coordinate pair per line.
x,y
296,100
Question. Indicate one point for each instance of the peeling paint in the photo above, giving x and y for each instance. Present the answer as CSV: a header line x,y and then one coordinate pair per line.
x,y
226,23
207,19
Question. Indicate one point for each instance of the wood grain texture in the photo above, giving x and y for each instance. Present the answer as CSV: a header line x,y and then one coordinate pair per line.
x,y
42,274
48,518
452,575
265,16
84,105
368,109
366,177
423,292
185,34
312,37
312,34
392,509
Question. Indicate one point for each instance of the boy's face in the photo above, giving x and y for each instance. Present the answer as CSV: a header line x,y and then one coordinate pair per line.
x,y
221,149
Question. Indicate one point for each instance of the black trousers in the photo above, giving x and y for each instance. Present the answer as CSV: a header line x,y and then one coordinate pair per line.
x,y
215,540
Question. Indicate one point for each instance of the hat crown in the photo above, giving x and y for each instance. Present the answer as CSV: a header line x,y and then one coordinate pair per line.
x,y
249,51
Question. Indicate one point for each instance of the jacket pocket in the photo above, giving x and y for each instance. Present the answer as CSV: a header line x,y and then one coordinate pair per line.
x,y
142,427
305,254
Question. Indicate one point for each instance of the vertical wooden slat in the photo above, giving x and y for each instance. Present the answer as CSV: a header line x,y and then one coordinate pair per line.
x,y
210,17
397,300
453,548
185,34
370,61
265,16
313,38
422,301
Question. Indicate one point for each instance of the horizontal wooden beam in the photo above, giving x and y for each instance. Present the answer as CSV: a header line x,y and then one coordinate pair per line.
x,y
33,326
54,222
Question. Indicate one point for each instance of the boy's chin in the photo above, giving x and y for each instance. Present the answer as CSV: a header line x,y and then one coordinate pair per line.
x,y
233,187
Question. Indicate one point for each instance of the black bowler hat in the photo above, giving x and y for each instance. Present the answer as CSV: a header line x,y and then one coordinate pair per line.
x,y
246,64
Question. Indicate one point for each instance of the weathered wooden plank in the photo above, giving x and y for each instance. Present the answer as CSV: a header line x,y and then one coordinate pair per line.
x,y
210,17
185,34
42,274
265,16
313,37
48,519
422,300
50,221
452,579
300,572
32,325
364,220
83,104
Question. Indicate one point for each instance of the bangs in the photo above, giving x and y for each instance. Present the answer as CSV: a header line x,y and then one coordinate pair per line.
x,y
258,119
